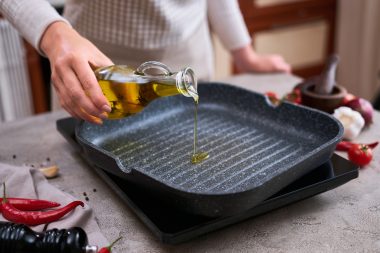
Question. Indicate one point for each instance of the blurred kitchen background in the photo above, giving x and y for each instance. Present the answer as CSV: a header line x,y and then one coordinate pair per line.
x,y
305,32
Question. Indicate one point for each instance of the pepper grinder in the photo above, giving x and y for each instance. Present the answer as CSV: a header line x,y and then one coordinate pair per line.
x,y
18,238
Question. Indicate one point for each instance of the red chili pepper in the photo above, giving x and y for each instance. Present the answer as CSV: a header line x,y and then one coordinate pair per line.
x,y
346,145
372,145
30,204
33,218
108,249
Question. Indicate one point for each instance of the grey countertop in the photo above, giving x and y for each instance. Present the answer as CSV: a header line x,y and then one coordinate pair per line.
x,y
346,219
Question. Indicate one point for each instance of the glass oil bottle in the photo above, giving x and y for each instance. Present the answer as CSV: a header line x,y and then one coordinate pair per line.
x,y
129,91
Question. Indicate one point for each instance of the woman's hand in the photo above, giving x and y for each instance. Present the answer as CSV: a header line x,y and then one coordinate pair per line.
x,y
72,58
246,60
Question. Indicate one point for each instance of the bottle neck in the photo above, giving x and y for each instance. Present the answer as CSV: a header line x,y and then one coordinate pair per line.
x,y
186,83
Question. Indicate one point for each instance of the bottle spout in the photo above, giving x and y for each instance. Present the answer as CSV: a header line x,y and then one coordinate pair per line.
x,y
187,83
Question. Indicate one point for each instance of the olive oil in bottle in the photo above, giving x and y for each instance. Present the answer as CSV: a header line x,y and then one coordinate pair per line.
x,y
129,91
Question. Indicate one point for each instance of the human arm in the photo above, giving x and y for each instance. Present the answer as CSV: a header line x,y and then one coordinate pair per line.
x,y
70,55
30,17
247,60
227,22
72,58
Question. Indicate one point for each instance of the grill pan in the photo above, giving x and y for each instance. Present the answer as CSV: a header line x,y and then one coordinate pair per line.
x,y
255,149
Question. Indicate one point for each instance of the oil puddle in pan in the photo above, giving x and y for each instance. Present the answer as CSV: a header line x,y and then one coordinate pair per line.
x,y
198,156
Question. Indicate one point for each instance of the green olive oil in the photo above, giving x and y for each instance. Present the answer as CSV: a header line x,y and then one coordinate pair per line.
x,y
126,99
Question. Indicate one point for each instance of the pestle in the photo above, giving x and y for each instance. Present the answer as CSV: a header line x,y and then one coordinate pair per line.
x,y
326,80
322,92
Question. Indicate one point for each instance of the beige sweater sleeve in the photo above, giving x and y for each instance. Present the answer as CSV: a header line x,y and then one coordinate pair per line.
x,y
227,22
30,17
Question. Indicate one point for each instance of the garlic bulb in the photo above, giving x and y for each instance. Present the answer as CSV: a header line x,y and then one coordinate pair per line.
x,y
351,120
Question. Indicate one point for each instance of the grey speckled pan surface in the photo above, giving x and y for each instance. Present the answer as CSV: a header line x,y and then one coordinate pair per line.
x,y
255,149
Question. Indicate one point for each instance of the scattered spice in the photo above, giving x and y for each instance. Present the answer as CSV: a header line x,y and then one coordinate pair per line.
x,y
48,159
87,199
94,190
84,194
14,156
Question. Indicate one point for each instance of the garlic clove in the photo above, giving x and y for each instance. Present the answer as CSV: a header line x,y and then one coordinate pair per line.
x,y
50,172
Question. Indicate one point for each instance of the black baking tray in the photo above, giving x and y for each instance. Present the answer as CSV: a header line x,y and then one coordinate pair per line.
x,y
255,149
174,226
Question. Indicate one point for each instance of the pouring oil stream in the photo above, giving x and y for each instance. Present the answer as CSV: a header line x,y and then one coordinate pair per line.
x,y
197,157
